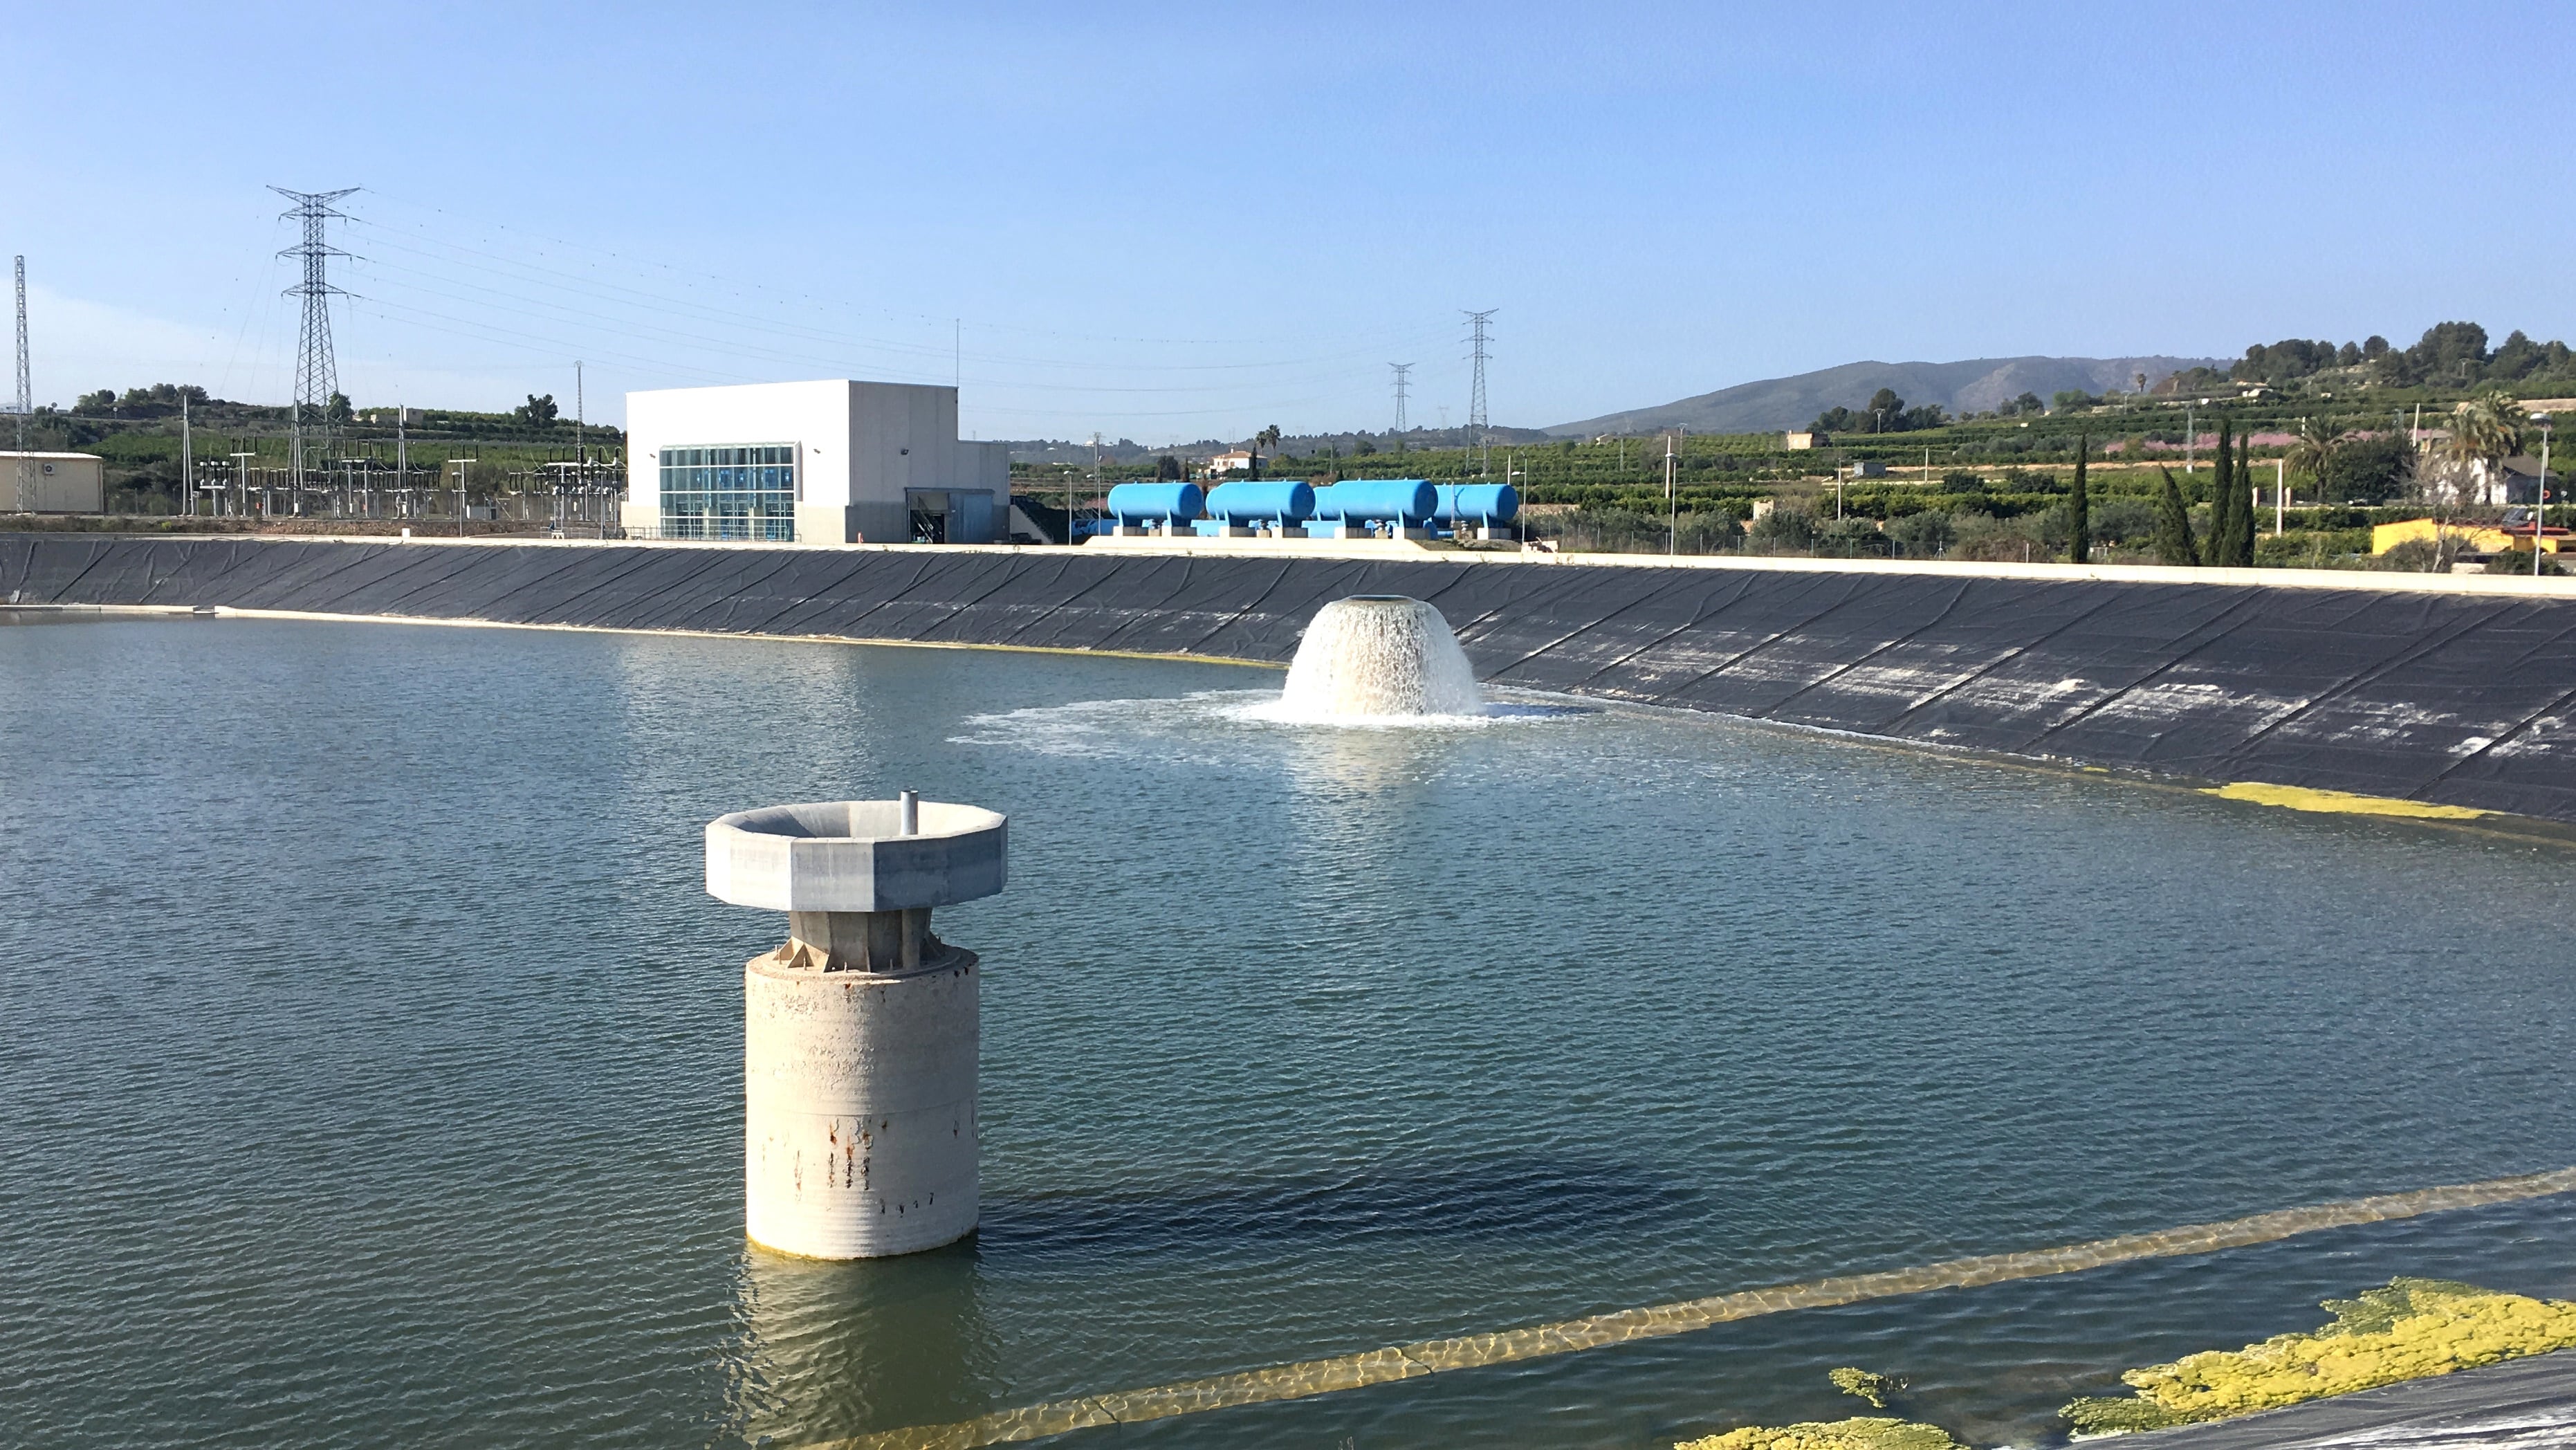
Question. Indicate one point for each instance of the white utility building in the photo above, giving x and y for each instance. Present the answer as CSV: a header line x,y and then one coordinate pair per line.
x,y
57,483
830,462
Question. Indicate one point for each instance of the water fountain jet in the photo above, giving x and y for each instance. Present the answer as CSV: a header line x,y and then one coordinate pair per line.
x,y
1379,657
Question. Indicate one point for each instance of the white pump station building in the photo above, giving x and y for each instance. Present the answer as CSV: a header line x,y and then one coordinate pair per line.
x,y
830,462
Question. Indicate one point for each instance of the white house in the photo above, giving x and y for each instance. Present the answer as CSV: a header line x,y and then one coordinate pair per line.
x,y
828,462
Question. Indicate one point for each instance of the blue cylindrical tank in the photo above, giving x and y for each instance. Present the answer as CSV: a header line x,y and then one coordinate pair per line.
x,y
1263,501
1476,503
1367,500
1137,504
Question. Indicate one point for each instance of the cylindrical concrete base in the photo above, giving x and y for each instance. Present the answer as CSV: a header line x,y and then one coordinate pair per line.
x,y
859,1136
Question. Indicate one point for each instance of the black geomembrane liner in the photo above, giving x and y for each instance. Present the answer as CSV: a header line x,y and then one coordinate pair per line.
x,y
2453,699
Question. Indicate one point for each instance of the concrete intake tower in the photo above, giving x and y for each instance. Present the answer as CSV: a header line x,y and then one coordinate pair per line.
x,y
861,1032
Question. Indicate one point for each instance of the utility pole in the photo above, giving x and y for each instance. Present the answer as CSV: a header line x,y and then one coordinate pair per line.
x,y
241,470
187,458
1477,421
2190,436
1402,370
1095,485
317,371
461,504
26,402
402,459
580,418
2280,493
2540,502
1672,507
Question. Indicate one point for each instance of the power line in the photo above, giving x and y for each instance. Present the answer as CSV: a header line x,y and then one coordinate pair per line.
x,y
317,371
738,288
1401,370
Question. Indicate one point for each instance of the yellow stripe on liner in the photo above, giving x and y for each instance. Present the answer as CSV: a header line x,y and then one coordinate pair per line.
x,y
2300,798
1435,1356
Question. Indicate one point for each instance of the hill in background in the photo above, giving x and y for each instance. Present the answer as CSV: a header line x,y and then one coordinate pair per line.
x,y
1777,404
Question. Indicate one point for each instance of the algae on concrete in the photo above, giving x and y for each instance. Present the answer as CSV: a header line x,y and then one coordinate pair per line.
x,y
1859,1433
2411,1329
1874,1388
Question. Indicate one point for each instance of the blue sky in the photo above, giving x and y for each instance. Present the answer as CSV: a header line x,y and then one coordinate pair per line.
x,y
1174,222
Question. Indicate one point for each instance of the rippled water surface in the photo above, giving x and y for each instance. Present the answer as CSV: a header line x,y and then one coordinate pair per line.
x,y
373,1060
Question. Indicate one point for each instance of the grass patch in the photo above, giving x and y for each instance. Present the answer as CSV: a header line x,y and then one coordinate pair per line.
x,y
2412,1329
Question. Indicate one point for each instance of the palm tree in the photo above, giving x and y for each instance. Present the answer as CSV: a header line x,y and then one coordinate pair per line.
x,y
1266,438
2487,430
2315,451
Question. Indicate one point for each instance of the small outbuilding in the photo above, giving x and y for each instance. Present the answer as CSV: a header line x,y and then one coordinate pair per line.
x,y
52,483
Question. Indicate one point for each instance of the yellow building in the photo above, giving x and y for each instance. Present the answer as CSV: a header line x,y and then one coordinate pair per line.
x,y
2471,538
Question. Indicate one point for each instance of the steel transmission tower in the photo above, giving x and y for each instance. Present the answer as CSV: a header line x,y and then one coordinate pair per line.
x,y
1477,423
317,372
26,402
1402,392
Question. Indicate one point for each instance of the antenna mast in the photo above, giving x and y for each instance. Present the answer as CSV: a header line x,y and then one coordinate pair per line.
x,y
317,372
1477,423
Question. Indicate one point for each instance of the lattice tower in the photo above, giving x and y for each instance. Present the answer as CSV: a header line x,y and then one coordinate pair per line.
x,y
26,401
317,371
1402,392
1477,337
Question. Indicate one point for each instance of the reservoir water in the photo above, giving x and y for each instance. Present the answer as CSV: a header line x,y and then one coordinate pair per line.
x,y
373,1057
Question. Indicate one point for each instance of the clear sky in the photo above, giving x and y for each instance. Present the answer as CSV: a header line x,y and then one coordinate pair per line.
x,y
1185,221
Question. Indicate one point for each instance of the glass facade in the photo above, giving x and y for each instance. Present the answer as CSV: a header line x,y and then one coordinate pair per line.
x,y
738,491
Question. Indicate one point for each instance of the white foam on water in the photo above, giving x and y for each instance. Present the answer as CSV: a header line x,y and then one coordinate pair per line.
x,y
1205,727
1378,660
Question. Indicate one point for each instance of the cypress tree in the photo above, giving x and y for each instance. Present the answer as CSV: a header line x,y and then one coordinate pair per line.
x,y
2246,528
2079,509
2173,526
2219,549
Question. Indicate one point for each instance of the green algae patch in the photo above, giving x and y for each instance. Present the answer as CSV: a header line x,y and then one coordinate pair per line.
x,y
2338,802
1859,1433
1874,1388
2412,1329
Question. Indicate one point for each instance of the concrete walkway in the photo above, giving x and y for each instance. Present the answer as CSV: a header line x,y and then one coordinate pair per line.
x,y
2524,1403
